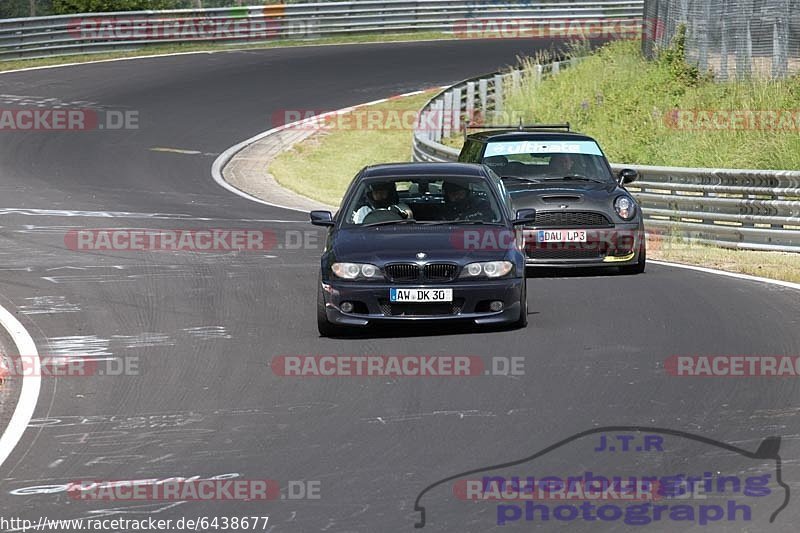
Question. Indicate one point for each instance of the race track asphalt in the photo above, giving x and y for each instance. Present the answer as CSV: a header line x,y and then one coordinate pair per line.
x,y
205,326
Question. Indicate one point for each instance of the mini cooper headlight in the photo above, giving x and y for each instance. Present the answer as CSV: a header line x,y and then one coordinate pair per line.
x,y
356,271
625,207
490,269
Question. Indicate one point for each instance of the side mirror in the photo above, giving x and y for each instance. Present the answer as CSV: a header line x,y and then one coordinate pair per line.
x,y
628,175
525,216
321,218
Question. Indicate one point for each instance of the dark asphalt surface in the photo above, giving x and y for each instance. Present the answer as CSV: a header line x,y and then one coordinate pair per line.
x,y
205,327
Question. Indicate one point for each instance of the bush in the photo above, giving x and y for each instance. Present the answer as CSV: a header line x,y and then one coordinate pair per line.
x,y
99,6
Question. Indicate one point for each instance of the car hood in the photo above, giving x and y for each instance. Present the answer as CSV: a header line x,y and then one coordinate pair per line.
x,y
386,244
576,195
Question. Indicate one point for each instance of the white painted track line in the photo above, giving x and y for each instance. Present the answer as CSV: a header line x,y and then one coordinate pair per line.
x,y
31,384
748,277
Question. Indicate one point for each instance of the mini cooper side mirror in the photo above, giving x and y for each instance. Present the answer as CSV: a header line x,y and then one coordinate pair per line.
x,y
628,175
525,216
321,218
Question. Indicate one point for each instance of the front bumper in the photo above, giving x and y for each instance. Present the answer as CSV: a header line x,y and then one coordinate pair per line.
x,y
609,246
470,302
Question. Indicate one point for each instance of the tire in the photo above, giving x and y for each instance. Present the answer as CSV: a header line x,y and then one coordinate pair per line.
x,y
326,329
522,321
639,267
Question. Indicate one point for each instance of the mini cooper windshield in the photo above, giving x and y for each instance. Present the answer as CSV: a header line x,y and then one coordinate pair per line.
x,y
422,200
548,160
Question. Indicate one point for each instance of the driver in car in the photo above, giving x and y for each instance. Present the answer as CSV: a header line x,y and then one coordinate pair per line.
x,y
381,195
461,204
561,164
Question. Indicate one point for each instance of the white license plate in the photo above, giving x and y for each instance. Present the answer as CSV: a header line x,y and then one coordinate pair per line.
x,y
420,295
561,235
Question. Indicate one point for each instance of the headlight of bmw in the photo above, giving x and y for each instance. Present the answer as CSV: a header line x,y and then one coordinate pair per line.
x,y
489,269
625,207
356,271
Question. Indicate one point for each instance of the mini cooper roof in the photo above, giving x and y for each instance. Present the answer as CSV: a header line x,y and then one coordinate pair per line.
x,y
530,134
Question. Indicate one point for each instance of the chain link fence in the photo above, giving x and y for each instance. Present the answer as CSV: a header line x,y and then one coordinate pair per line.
x,y
732,38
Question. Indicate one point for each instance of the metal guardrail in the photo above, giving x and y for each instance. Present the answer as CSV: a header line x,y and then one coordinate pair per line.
x,y
749,209
102,32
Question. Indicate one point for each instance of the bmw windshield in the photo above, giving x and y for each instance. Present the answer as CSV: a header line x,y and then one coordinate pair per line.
x,y
422,200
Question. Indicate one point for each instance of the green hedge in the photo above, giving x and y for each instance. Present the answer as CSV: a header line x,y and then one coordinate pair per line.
x,y
99,6
22,8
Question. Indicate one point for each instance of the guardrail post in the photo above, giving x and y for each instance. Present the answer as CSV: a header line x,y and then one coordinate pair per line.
x,y
425,125
555,68
447,113
539,73
470,107
498,97
483,90
515,79
457,109
437,109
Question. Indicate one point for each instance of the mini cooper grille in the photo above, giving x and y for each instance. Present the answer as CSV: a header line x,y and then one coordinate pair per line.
x,y
426,309
402,272
440,271
570,218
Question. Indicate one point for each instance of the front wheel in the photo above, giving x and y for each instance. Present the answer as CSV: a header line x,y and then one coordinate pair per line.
x,y
639,267
522,321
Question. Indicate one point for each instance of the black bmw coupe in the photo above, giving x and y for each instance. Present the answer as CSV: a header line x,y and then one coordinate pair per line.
x,y
422,241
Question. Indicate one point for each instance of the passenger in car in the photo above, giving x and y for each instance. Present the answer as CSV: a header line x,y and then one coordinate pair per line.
x,y
461,204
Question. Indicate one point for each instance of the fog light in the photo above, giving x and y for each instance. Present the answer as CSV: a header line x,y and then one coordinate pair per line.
x,y
346,307
496,305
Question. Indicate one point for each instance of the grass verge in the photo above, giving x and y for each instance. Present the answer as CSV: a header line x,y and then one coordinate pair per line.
x,y
774,265
322,166
666,112
15,64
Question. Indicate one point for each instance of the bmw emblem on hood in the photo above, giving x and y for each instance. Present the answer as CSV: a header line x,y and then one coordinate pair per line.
x,y
421,255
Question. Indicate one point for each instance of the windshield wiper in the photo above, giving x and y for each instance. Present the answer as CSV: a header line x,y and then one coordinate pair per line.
x,y
388,222
575,177
521,178
464,222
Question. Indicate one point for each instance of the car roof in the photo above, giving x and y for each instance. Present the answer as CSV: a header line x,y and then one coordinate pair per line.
x,y
517,135
424,169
